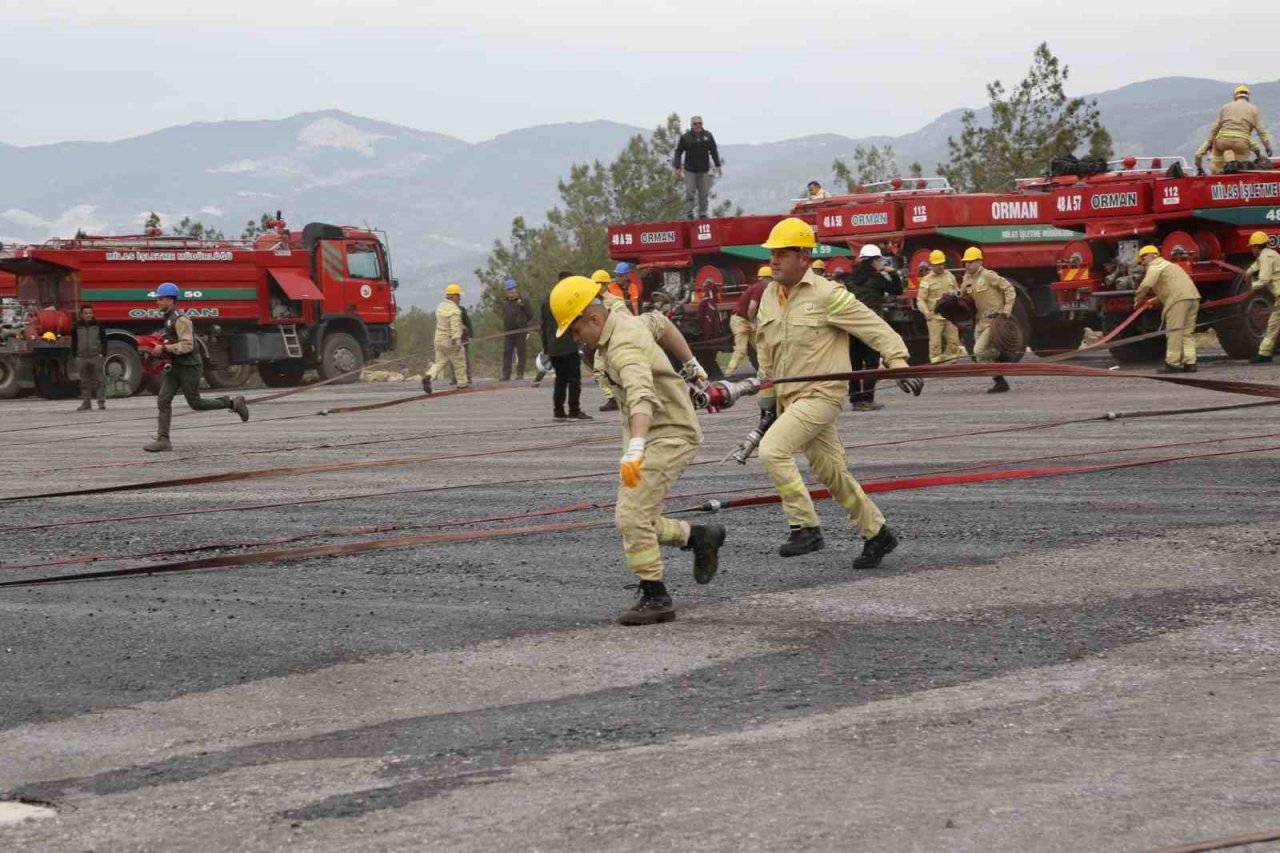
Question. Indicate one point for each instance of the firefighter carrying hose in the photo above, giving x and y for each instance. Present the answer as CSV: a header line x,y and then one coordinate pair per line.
x,y
944,336
1231,136
804,326
993,297
1170,285
182,370
449,334
660,436
1266,273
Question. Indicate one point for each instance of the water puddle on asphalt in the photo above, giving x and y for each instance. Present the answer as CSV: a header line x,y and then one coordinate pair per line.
x,y
12,812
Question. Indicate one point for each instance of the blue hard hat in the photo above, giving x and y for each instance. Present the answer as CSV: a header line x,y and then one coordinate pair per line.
x,y
168,289
622,268
509,284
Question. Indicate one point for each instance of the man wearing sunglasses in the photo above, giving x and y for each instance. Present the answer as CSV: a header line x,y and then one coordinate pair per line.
x,y
694,155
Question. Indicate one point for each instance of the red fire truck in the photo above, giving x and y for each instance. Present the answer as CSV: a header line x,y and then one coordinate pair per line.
x,y
1201,222
286,302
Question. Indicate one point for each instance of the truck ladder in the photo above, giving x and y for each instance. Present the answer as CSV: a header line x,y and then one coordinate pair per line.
x,y
292,346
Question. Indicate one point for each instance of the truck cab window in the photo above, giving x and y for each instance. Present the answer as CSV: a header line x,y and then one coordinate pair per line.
x,y
362,261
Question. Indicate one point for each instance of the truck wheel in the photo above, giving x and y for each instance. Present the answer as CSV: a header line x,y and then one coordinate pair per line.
x,y
281,374
341,354
233,376
123,365
51,380
1242,326
9,387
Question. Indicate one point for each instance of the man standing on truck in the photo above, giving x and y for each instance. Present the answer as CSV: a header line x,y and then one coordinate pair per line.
x,y
803,329
743,320
993,297
448,341
516,318
872,284
660,434
1266,273
944,337
89,346
182,370
1231,135
1170,285
695,152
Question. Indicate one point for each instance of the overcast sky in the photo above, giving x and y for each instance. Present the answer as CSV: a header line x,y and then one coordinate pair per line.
x,y
757,71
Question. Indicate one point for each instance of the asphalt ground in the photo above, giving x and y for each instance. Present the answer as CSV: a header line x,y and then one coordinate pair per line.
x,y
1075,663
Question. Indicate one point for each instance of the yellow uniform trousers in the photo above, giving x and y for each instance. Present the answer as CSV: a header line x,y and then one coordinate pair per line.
x,y
1227,149
449,353
982,348
638,515
808,425
1180,331
944,340
744,337
1268,346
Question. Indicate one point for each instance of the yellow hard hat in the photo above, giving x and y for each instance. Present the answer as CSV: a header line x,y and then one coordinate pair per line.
x,y
1148,250
820,265
48,336
1242,89
601,277
570,298
936,257
1259,238
973,253
764,272
791,233
453,290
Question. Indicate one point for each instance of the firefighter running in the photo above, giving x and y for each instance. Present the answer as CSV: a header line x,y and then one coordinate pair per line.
x,y
993,297
1231,136
448,342
1169,284
182,372
660,435
944,336
743,320
805,323
1266,274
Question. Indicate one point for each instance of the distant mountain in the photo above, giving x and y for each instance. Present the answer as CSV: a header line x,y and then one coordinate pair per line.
x,y
441,200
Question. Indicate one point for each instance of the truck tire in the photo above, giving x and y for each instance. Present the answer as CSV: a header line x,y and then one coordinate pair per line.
x,y
232,376
1242,326
9,387
124,363
281,374
52,382
341,353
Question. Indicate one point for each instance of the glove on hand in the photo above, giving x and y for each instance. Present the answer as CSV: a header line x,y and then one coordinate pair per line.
x,y
691,371
631,462
913,386
543,363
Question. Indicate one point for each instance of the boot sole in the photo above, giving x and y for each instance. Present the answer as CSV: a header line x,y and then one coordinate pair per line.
x,y
633,620
710,568
812,548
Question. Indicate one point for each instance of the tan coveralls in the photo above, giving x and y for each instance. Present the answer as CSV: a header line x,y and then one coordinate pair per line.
x,y
1231,136
944,337
1174,289
449,350
655,321
743,338
644,383
807,333
1266,273
990,292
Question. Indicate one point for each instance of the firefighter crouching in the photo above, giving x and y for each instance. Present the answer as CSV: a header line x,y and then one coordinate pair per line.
x,y
182,373
993,297
448,341
1266,273
1170,285
660,435
1231,136
803,328
944,336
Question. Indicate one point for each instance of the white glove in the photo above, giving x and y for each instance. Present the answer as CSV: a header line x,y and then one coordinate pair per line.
x,y
543,363
631,462
691,371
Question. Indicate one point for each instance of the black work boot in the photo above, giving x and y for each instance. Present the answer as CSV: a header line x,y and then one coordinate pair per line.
x,y
1259,358
85,406
102,404
241,408
653,606
1170,368
999,387
579,415
876,548
705,541
803,540
1189,368
560,415
610,405
426,385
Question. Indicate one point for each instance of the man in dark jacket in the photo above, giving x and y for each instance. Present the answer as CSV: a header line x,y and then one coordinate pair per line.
x,y
89,346
515,316
872,284
566,362
694,155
